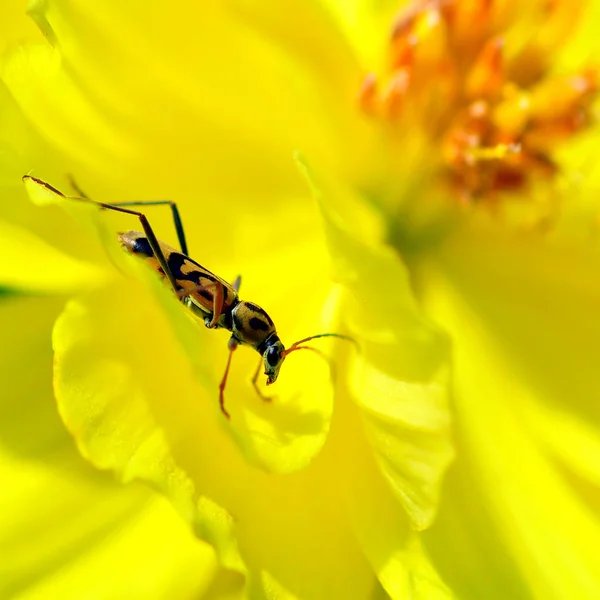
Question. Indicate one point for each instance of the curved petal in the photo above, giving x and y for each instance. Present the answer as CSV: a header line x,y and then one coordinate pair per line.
x,y
30,264
583,42
15,26
569,438
310,33
285,437
468,545
391,546
399,377
127,382
138,409
511,356
539,297
21,148
94,339
64,528
216,99
367,23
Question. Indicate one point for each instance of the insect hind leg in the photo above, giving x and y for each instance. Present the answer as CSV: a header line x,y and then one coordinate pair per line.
x,y
177,221
152,239
174,211
150,235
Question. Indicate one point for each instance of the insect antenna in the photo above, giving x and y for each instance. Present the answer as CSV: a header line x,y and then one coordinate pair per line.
x,y
297,345
322,354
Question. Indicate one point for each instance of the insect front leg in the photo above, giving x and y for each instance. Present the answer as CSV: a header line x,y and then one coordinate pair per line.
x,y
232,346
237,282
255,383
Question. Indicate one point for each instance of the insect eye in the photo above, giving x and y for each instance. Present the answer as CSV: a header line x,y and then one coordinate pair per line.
x,y
272,356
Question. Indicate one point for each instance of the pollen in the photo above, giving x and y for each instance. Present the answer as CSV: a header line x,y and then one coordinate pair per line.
x,y
476,76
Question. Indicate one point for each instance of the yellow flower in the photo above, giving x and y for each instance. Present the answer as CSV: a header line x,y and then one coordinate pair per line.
x,y
455,262
67,529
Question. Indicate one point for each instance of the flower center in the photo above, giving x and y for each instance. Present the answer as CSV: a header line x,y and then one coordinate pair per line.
x,y
474,76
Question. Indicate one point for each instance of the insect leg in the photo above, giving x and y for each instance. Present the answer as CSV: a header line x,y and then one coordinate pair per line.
x,y
231,345
255,383
174,210
152,239
237,282
176,217
218,298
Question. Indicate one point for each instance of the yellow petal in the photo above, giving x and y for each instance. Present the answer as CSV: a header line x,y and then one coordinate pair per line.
x,y
569,438
128,393
367,26
399,376
102,403
52,103
18,142
30,264
538,295
310,32
394,550
467,545
509,355
145,548
126,355
282,435
64,528
206,73
15,26
583,42
408,425
21,148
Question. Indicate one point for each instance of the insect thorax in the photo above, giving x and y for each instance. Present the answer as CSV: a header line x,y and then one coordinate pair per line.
x,y
251,324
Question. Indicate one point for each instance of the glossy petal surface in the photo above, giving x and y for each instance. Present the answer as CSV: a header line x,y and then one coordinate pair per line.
x,y
66,529
512,406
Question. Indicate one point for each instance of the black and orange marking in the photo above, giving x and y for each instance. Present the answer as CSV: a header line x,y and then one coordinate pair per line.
x,y
207,295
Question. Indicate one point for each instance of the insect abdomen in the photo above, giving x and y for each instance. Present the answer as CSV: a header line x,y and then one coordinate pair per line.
x,y
137,243
188,274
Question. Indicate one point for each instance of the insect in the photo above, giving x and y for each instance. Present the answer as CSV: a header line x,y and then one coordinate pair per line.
x,y
207,295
